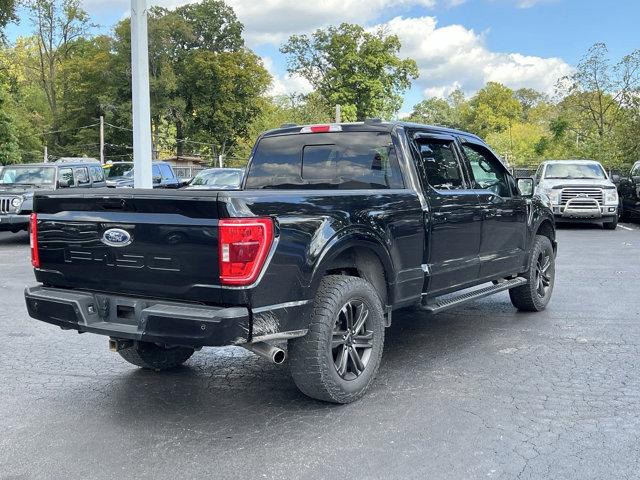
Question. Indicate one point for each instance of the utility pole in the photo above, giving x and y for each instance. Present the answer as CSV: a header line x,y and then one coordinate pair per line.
x,y
46,154
141,100
102,139
338,114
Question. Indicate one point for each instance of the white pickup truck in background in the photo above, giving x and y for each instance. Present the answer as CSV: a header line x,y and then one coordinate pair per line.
x,y
579,191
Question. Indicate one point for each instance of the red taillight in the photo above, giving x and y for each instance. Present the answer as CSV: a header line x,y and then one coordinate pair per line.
x,y
33,240
243,247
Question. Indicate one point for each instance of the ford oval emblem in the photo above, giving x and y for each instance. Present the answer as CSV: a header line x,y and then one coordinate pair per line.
x,y
116,237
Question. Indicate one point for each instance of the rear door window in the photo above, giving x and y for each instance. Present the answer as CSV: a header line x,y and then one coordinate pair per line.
x,y
66,174
345,160
439,164
82,177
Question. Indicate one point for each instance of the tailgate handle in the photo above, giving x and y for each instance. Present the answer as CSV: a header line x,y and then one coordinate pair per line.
x,y
114,205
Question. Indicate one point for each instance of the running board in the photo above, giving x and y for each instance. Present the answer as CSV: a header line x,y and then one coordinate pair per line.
x,y
437,306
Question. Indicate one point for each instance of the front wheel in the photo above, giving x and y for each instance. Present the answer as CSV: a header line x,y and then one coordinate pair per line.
x,y
338,358
154,357
536,293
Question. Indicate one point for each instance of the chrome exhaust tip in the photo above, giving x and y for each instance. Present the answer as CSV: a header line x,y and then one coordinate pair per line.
x,y
273,354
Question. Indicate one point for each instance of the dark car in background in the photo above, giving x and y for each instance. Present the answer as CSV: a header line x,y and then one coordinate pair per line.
x,y
120,175
19,182
629,192
217,179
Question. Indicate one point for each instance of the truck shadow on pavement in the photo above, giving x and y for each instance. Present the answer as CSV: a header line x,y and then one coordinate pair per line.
x,y
228,387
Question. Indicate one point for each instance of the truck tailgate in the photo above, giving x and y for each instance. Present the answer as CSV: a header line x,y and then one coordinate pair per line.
x,y
169,248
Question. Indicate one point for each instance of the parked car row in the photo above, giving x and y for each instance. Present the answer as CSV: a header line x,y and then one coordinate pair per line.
x,y
19,182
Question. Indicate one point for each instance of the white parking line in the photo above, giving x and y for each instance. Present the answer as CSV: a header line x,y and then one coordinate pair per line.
x,y
626,228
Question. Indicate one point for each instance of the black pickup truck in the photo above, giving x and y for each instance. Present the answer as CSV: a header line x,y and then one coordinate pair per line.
x,y
336,226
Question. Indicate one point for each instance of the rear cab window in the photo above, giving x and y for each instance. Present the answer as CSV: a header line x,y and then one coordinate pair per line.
x,y
337,160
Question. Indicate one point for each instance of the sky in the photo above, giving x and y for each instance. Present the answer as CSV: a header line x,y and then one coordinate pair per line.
x,y
456,43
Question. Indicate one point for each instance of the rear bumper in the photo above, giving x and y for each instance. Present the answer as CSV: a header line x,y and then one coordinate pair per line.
x,y
157,321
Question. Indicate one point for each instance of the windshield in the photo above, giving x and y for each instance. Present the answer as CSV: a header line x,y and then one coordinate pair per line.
x,y
25,175
119,170
219,178
574,171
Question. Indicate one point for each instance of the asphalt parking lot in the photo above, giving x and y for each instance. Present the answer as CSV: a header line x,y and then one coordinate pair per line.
x,y
479,392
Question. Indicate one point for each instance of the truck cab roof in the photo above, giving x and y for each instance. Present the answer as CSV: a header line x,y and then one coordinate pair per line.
x,y
374,126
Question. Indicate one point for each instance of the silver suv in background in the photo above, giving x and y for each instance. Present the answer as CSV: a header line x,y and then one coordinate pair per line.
x,y
579,191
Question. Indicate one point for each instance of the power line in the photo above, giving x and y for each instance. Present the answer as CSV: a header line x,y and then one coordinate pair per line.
x,y
71,129
177,140
117,127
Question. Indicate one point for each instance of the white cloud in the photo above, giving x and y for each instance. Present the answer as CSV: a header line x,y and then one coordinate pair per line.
x,y
273,21
453,57
286,84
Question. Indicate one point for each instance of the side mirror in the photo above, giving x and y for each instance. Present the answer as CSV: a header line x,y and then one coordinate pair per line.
x,y
615,178
525,186
636,179
157,180
63,183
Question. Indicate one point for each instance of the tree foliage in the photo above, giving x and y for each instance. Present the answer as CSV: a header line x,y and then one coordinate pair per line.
x,y
352,67
9,148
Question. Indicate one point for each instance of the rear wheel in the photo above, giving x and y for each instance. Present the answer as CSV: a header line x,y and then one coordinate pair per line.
x,y
338,358
536,293
154,357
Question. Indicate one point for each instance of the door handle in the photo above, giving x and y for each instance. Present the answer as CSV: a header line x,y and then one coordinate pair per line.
x,y
490,212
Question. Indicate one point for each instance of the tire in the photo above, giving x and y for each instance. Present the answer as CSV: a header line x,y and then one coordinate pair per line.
x,y
611,225
153,357
536,293
322,363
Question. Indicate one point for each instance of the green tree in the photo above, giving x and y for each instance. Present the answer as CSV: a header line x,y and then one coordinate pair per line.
x,y
9,148
176,38
493,109
223,93
433,111
450,112
357,69
58,24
